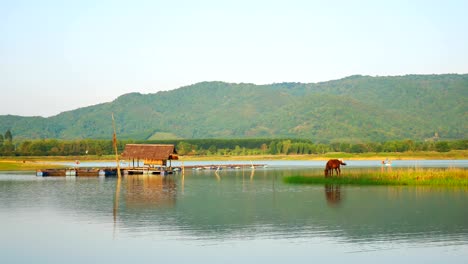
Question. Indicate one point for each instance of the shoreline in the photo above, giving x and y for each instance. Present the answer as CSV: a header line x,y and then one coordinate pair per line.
x,y
423,155
24,163
454,154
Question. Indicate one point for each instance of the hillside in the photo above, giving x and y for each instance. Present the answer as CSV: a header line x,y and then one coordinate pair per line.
x,y
356,108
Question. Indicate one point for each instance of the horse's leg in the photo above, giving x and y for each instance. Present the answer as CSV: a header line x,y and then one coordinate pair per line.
x,y
339,171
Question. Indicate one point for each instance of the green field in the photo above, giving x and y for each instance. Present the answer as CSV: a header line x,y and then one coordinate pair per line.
x,y
25,165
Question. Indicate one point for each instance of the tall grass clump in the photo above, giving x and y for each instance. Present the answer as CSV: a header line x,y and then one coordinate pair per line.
x,y
409,176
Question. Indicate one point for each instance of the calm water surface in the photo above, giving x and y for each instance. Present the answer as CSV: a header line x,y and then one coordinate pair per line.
x,y
229,216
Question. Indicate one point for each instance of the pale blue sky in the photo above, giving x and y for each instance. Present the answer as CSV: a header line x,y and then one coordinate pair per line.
x,y
61,55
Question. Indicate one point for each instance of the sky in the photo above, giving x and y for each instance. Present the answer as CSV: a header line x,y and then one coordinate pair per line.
x,y
57,56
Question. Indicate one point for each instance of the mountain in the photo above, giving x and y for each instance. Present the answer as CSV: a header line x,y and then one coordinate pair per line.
x,y
356,108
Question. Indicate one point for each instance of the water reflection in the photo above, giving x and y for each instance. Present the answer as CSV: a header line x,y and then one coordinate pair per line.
x,y
117,198
216,207
148,191
333,194
248,204
145,192
385,168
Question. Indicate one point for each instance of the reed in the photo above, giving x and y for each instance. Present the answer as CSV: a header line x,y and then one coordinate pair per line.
x,y
410,176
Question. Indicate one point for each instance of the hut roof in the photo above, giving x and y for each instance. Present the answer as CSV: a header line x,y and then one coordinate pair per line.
x,y
149,151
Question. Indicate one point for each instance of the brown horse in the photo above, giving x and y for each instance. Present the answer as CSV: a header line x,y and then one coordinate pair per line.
x,y
333,164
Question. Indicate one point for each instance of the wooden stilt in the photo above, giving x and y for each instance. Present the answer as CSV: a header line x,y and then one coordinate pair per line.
x,y
114,141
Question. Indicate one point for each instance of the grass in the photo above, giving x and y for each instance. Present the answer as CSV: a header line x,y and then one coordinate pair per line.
x,y
411,176
32,163
57,158
15,165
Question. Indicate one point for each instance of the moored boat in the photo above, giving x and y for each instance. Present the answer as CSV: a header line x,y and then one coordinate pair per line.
x,y
87,172
55,172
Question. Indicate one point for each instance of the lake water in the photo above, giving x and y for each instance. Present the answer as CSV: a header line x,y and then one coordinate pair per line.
x,y
233,216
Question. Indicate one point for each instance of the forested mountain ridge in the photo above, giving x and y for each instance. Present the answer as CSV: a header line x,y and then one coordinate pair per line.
x,y
356,108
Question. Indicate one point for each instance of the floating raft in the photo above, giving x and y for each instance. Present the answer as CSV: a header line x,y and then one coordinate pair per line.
x,y
147,171
79,172
56,172
96,172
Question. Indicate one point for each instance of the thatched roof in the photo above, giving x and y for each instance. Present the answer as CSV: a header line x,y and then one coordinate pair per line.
x,y
149,151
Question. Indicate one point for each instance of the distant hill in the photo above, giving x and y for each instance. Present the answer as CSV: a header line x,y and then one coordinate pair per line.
x,y
356,108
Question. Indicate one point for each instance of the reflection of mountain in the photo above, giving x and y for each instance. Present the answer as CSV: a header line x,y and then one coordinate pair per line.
x,y
238,205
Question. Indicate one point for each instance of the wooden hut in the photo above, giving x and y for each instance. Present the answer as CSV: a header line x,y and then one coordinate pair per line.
x,y
151,154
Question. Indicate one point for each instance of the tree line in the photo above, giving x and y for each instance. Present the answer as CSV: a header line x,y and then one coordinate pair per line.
x,y
233,147
6,143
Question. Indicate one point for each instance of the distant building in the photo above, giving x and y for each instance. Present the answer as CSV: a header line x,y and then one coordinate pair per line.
x,y
150,154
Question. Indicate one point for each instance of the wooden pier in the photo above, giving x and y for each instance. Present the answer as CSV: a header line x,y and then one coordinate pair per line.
x,y
77,172
225,166
147,170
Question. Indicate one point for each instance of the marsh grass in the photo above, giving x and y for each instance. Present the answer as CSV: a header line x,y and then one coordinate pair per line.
x,y
388,176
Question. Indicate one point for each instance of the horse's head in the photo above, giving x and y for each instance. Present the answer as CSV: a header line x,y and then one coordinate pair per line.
x,y
326,172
